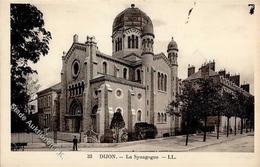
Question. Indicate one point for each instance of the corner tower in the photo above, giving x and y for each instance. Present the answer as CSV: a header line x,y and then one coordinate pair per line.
x,y
172,51
148,70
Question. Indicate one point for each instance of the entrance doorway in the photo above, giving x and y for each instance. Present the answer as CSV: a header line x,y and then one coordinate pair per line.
x,y
75,114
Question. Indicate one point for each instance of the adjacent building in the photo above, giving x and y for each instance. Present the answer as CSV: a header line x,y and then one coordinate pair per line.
x,y
229,83
48,107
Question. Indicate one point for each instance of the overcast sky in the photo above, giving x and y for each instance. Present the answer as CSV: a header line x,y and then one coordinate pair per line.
x,y
220,31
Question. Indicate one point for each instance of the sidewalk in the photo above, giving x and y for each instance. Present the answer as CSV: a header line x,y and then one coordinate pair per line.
x,y
173,144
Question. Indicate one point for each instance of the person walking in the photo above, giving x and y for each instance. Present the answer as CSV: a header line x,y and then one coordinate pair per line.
x,y
75,144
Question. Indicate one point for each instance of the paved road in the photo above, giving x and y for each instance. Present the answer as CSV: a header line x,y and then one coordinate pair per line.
x,y
244,144
232,144
239,143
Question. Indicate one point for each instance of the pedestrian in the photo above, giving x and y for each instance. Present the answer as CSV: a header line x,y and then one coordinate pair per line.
x,y
75,144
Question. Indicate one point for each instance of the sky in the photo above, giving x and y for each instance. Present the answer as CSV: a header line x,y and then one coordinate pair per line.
x,y
221,31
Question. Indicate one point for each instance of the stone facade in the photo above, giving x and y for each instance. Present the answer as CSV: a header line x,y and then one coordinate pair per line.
x,y
228,83
48,107
133,81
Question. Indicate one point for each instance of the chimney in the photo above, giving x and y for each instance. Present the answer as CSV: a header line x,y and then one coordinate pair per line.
x,y
204,70
222,73
212,65
227,75
191,70
75,38
235,79
245,87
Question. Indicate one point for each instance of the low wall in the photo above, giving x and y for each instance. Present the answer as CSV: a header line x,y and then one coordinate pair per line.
x,y
25,138
64,136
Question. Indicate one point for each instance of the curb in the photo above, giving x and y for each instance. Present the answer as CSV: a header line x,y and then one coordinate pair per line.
x,y
218,142
107,145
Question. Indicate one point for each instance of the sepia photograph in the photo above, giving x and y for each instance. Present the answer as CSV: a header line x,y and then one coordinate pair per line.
x,y
137,76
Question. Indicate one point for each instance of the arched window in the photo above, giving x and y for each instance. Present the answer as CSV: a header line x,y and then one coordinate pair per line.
x,y
159,80
49,100
165,117
138,75
79,88
162,81
125,73
120,44
133,41
143,43
165,82
139,115
75,108
116,45
158,117
129,42
136,42
148,43
83,86
115,71
72,90
76,89
105,67
162,119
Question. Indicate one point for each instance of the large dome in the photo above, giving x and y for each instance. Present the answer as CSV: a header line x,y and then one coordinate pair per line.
x,y
131,17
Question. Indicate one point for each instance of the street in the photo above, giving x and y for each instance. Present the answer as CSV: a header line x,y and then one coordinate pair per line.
x,y
238,143
244,144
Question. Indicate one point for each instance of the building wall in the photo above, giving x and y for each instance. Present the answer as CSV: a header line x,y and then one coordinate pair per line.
x,y
223,125
111,65
46,109
162,98
79,55
91,67
122,101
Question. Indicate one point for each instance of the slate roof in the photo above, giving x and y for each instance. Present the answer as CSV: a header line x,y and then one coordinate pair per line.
x,y
55,87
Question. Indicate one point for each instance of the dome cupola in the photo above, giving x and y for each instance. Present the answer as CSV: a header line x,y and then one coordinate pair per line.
x,y
131,17
129,29
148,29
172,45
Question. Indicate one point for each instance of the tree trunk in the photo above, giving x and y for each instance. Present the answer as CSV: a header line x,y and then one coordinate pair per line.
x,y
227,126
187,136
187,133
117,135
235,125
246,125
205,129
218,126
250,125
241,128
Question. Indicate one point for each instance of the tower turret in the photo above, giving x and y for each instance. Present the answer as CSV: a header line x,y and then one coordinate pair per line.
x,y
172,51
147,62
147,44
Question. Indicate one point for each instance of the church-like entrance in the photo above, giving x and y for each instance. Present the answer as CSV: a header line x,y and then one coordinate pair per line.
x,y
75,116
